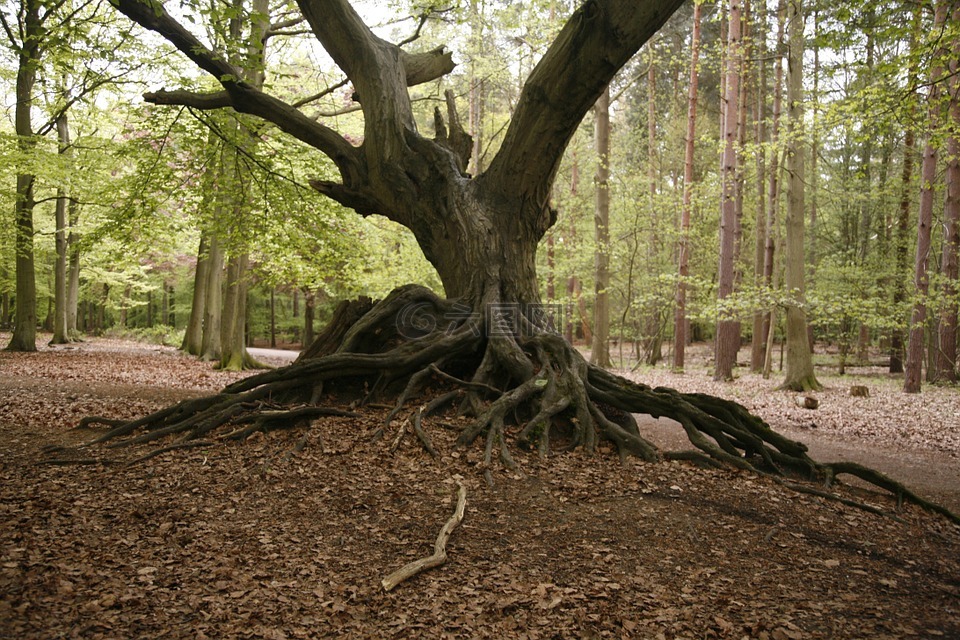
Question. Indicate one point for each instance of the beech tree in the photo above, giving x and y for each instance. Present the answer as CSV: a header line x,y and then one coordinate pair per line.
x,y
799,369
489,339
25,37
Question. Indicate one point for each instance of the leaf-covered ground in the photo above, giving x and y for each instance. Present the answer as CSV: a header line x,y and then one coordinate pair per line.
x,y
289,535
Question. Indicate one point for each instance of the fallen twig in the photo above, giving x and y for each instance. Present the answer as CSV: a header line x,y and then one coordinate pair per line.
x,y
439,547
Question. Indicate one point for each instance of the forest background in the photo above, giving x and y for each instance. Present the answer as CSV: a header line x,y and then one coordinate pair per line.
x,y
681,202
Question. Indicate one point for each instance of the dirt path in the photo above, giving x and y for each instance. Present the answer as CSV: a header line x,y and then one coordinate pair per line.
x,y
932,474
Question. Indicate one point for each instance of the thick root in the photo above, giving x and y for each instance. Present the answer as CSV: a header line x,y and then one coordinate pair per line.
x,y
531,389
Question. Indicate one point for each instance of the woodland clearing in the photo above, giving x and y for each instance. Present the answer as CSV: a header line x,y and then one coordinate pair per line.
x,y
288,535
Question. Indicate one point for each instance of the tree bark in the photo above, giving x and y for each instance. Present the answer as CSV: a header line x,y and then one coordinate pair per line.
x,y
73,279
683,245
945,366
728,328
233,356
600,352
60,335
309,302
758,338
928,175
866,180
652,324
212,308
799,375
906,189
773,193
193,334
24,336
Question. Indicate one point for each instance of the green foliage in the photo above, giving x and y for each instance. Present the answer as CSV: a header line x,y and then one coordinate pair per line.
x,y
160,334
140,173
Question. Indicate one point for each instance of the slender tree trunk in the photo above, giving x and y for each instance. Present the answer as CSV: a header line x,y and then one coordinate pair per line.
x,y
903,216
102,308
60,335
772,229
477,95
573,282
4,301
551,268
866,179
653,333
812,250
212,308
814,180
600,353
928,175
150,311
946,362
273,318
799,374
193,334
25,320
728,329
73,279
164,303
233,334
172,305
568,331
233,355
683,248
744,72
758,340
309,302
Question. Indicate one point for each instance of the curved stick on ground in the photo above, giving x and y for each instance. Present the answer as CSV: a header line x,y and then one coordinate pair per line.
x,y
439,547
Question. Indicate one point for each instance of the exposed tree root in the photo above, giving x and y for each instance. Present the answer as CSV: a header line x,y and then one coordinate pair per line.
x,y
526,387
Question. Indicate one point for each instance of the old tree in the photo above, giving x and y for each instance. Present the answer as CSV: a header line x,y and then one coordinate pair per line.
x,y
487,342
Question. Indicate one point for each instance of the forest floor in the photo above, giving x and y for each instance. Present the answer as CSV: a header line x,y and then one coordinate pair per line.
x,y
289,535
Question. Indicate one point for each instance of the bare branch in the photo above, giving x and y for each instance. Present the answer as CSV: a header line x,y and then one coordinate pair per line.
x,y
317,96
596,42
243,96
283,25
416,34
183,98
380,72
